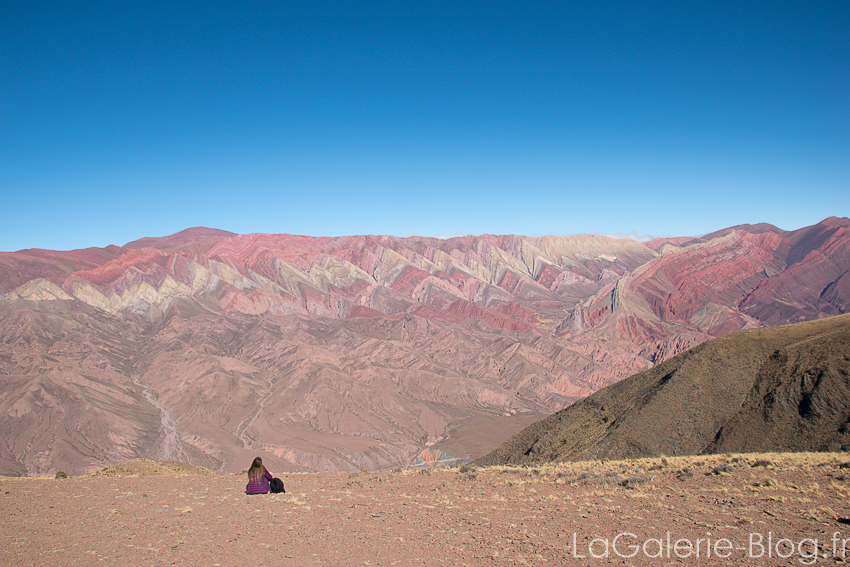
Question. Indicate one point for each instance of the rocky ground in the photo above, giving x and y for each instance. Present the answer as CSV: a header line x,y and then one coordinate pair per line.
x,y
769,509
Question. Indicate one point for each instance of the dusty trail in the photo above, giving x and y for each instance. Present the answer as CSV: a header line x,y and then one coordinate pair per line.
x,y
247,442
171,448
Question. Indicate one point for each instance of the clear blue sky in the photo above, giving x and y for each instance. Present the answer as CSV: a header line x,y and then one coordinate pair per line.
x,y
120,120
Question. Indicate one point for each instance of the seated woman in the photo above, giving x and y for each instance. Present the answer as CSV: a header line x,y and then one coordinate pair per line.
x,y
258,478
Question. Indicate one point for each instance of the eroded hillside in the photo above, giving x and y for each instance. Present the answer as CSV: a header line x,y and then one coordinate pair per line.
x,y
364,351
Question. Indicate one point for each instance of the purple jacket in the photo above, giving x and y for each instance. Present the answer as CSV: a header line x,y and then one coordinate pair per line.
x,y
261,485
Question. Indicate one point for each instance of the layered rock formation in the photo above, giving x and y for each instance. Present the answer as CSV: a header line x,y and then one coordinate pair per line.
x,y
362,351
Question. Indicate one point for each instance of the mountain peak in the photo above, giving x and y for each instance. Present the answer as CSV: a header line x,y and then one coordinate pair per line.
x,y
181,239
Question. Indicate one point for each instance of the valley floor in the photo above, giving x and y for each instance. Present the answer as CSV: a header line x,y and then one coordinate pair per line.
x,y
788,509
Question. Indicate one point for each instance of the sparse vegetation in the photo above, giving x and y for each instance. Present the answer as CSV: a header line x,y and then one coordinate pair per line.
x,y
636,481
767,483
722,468
604,479
145,467
468,509
470,474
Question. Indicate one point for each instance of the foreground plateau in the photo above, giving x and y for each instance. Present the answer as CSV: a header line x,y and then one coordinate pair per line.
x,y
753,509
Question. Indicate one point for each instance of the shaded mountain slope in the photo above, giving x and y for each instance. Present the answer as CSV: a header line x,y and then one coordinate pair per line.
x,y
784,388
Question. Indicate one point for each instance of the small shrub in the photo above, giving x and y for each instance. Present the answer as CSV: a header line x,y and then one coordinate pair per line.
x,y
635,481
470,474
60,474
722,468
822,513
606,479
762,463
685,474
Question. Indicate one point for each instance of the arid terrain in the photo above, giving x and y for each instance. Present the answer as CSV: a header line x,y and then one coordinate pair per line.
x,y
753,509
365,352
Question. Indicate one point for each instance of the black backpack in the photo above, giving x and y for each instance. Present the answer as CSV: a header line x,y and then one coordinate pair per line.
x,y
276,486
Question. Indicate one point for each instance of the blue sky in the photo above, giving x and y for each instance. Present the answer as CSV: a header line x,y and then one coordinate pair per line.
x,y
122,120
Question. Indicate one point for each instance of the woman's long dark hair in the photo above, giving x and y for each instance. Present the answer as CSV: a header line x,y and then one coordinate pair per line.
x,y
256,471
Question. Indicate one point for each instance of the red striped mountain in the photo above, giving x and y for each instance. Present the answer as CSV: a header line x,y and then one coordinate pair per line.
x,y
733,279
363,351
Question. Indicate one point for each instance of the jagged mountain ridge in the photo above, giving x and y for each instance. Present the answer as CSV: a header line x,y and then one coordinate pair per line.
x,y
351,276
223,328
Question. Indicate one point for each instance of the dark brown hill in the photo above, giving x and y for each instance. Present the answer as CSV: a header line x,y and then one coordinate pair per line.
x,y
783,388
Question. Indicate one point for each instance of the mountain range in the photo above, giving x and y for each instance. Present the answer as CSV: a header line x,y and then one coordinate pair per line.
x,y
356,352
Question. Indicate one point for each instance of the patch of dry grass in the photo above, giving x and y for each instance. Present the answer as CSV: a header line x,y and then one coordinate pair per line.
x,y
145,467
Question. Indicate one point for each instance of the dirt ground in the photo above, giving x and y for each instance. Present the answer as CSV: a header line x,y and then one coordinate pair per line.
x,y
789,509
